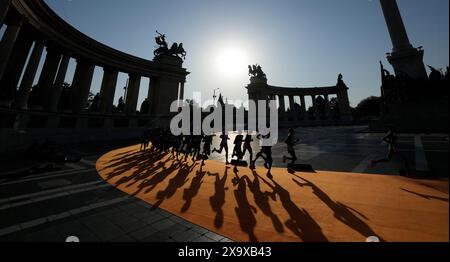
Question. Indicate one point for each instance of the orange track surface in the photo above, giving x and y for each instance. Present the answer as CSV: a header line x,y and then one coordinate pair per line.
x,y
248,206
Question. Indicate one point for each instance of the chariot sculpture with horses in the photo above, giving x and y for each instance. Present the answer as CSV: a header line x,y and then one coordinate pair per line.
x,y
256,71
163,49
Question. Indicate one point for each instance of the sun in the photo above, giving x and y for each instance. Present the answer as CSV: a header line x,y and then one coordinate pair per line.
x,y
232,61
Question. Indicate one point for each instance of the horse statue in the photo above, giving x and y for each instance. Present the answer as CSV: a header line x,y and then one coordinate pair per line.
x,y
163,49
260,73
178,50
256,71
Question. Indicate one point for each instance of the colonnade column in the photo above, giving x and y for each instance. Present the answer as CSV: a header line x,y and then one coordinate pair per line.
x,y
182,90
327,106
292,107
7,44
282,109
81,85
108,90
132,94
14,68
303,106
4,7
29,75
47,78
315,109
56,90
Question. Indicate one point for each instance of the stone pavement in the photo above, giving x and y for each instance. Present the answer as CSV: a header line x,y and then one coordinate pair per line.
x,y
75,201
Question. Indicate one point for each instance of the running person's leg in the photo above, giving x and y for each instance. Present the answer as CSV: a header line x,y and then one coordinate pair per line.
x,y
226,154
403,158
248,148
266,163
218,151
234,152
293,156
388,158
269,162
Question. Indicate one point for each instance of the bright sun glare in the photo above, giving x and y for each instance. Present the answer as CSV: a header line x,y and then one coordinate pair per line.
x,y
232,61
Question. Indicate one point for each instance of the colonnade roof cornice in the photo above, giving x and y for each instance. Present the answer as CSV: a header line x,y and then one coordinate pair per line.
x,y
297,91
59,32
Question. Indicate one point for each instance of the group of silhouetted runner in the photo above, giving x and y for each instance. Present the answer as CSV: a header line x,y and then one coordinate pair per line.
x,y
183,147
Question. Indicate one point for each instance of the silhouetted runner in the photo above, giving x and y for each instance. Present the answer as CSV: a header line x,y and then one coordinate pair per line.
x,y
223,145
156,139
145,139
237,151
248,147
184,143
391,140
290,142
207,142
162,140
189,146
176,144
266,154
197,145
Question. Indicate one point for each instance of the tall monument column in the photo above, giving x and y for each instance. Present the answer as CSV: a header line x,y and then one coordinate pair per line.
x,y
404,57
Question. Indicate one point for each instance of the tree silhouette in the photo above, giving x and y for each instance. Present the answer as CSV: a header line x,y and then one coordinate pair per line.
x,y
369,107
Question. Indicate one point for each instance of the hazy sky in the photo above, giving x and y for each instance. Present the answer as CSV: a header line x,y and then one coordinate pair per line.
x,y
299,43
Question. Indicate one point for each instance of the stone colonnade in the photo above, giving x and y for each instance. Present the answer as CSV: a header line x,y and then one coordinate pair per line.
x,y
32,29
292,103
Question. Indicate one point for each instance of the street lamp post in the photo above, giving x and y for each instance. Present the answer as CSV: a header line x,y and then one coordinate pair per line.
x,y
125,90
